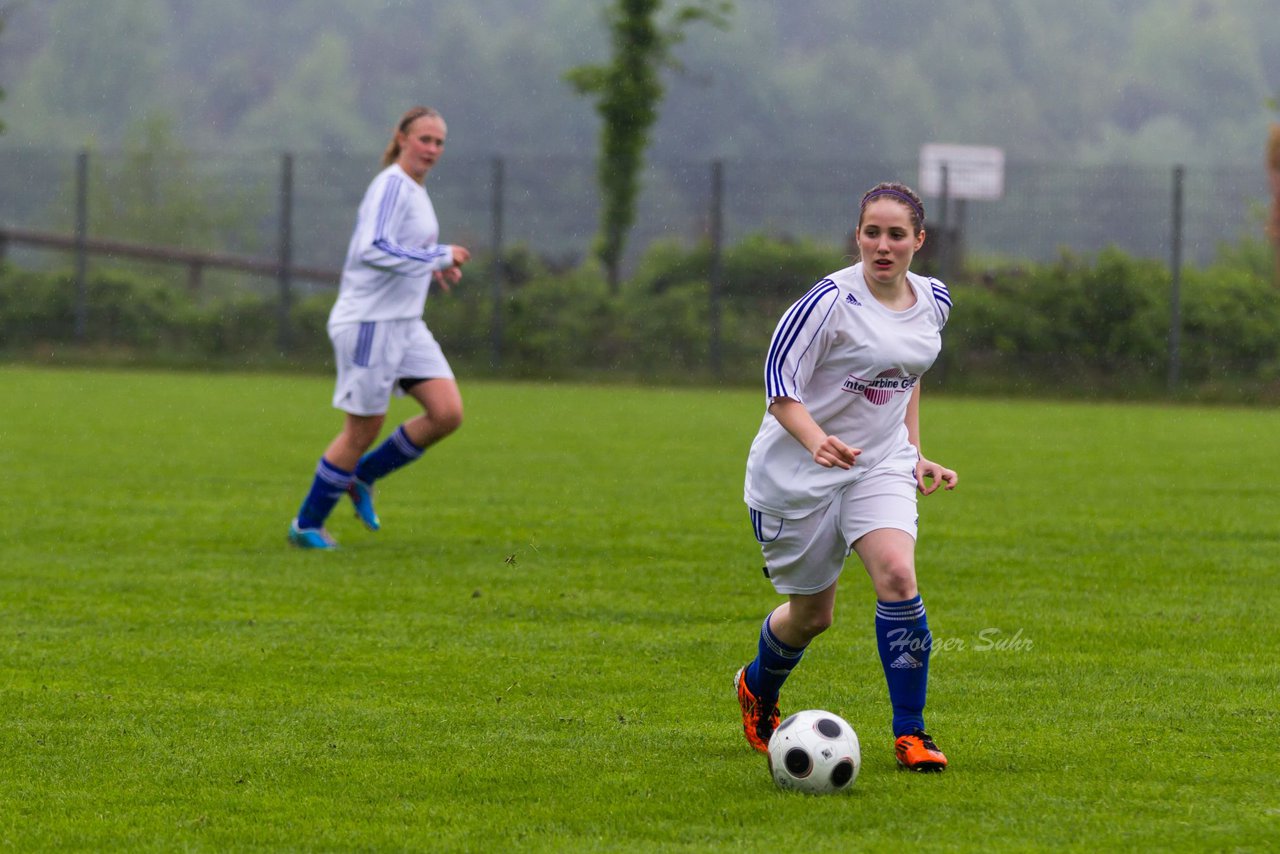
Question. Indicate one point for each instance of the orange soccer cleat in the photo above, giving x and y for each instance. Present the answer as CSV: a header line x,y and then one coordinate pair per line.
x,y
759,720
917,752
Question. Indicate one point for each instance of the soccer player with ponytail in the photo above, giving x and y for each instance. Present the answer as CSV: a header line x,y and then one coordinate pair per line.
x,y
380,342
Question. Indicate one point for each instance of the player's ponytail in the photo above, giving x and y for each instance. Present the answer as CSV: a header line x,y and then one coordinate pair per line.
x,y
392,154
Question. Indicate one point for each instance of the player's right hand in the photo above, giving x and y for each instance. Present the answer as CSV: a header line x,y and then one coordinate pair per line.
x,y
833,453
460,255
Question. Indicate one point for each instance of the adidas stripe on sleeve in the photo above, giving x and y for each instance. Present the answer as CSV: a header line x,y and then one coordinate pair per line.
x,y
795,349
853,363
393,252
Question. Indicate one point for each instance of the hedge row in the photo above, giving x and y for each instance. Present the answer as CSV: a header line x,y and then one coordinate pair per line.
x,y
1098,325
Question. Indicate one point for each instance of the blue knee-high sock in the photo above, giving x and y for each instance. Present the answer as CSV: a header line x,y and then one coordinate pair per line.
x,y
328,486
772,665
902,634
395,452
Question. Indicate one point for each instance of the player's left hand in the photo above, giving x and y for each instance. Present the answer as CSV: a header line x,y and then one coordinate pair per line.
x,y
448,277
931,475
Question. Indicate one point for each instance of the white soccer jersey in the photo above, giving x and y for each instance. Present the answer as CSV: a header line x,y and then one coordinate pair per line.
x,y
392,253
853,363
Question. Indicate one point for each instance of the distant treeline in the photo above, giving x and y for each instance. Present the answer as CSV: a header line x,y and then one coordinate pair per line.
x,y
1092,81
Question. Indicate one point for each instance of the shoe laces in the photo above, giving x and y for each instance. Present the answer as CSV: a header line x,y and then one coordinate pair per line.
x,y
765,714
925,739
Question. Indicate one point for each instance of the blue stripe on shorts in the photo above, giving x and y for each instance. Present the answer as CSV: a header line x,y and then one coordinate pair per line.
x,y
364,343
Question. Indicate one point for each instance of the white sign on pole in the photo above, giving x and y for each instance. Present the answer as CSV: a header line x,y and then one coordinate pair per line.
x,y
973,171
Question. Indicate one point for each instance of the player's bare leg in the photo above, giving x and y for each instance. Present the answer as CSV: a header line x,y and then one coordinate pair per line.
x,y
441,411
783,637
804,616
358,434
441,415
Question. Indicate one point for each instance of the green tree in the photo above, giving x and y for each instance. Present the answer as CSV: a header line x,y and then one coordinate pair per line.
x,y
627,92
153,192
315,107
1273,175
105,65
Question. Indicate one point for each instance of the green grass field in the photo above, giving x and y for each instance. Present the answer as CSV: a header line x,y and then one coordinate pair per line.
x,y
536,652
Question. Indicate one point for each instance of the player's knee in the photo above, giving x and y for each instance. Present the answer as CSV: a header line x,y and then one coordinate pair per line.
x,y
812,624
447,420
897,582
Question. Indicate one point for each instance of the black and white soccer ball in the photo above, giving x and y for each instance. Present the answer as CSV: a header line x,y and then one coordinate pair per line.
x,y
815,752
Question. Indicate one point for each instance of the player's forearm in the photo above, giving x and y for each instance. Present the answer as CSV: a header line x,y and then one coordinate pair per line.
x,y
384,254
912,419
797,421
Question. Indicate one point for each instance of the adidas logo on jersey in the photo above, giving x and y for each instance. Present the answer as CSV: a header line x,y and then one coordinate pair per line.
x,y
906,661
851,299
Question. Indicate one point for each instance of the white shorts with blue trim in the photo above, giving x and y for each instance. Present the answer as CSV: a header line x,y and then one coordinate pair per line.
x,y
806,555
372,356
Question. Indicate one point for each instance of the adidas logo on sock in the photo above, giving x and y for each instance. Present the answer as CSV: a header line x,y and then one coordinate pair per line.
x,y
906,661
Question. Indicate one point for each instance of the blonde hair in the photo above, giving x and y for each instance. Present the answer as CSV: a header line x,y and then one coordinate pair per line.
x,y
392,154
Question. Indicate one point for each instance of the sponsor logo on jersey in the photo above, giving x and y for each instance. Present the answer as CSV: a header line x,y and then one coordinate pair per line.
x,y
851,299
881,389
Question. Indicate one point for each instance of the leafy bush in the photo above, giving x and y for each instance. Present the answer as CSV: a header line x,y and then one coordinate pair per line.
x,y
1231,326
1099,324
758,267
561,324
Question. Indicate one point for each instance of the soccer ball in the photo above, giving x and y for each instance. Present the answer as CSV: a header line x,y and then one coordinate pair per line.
x,y
814,752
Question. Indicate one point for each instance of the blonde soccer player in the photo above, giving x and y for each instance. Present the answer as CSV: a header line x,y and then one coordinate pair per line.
x,y
380,342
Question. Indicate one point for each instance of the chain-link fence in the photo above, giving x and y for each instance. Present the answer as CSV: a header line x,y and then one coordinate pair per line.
x,y
275,228
233,204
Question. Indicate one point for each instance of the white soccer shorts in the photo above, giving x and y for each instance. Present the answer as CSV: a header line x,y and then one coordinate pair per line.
x,y
372,356
806,555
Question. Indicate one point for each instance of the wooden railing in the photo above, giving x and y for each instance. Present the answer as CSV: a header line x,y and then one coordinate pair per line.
x,y
196,262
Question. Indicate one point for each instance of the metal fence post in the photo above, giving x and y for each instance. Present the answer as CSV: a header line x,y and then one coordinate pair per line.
x,y
499,265
1175,290
81,250
944,223
284,271
716,225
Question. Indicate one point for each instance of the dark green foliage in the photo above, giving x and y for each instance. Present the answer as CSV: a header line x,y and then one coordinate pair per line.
x,y
235,328
758,267
1103,326
1251,254
1102,315
558,325
1079,326
38,309
1231,327
763,268
133,317
668,305
666,333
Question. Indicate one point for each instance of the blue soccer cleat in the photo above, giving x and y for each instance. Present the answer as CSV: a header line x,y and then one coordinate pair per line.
x,y
311,538
362,497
